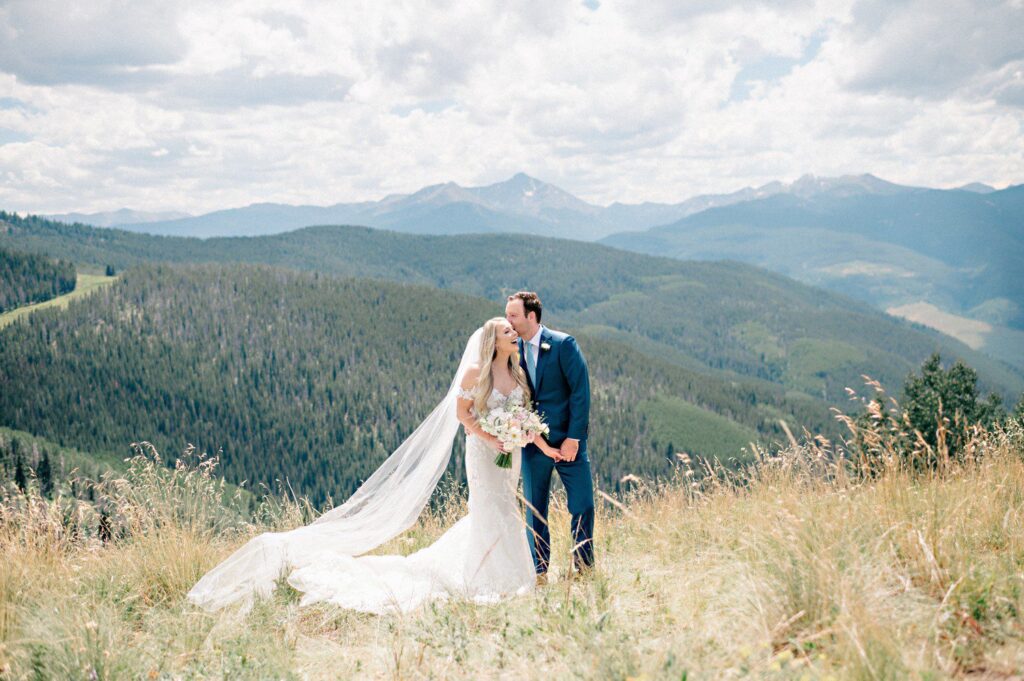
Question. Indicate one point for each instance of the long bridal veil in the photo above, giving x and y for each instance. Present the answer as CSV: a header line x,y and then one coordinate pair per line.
x,y
385,505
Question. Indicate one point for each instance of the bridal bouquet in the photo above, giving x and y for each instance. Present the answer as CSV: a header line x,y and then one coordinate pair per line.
x,y
513,426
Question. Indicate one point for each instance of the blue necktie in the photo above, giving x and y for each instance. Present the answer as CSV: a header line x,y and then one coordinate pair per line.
x,y
531,363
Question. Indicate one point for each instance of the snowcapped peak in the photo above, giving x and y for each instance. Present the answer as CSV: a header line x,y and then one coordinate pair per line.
x,y
524,194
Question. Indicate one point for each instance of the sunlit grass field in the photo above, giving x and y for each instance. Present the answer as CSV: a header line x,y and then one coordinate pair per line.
x,y
799,568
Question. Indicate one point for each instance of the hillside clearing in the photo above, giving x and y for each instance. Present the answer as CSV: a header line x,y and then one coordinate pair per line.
x,y
84,285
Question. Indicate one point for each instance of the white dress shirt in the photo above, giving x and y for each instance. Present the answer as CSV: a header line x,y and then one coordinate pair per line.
x,y
535,343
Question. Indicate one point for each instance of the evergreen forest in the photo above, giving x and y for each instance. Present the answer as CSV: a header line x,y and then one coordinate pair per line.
x,y
26,278
302,380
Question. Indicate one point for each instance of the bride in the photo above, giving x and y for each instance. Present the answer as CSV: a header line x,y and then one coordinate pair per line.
x,y
483,557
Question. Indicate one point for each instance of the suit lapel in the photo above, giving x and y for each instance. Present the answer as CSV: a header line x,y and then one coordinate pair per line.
x,y
545,337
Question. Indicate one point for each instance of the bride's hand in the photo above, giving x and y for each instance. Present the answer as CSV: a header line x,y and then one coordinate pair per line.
x,y
552,454
547,450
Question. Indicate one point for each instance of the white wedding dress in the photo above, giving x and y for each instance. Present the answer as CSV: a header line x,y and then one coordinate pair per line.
x,y
483,557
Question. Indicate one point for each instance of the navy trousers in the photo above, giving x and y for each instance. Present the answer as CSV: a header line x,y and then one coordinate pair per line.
x,y
579,488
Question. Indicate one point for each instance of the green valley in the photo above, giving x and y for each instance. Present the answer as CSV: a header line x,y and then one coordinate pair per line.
x,y
691,313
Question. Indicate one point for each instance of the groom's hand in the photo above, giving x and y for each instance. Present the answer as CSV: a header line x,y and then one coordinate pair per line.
x,y
570,448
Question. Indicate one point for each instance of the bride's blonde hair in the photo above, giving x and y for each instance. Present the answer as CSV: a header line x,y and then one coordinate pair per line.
x,y
488,351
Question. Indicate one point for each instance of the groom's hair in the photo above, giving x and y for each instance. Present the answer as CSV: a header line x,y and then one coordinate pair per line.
x,y
531,303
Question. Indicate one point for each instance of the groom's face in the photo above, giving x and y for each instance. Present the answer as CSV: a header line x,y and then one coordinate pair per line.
x,y
514,313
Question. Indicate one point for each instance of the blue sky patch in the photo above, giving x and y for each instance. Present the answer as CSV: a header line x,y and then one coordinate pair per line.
x,y
772,68
8,136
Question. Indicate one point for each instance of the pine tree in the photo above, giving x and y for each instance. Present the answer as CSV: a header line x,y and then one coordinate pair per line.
x,y
45,475
20,477
952,396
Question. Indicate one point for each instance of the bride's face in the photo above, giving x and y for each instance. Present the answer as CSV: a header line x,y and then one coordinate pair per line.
x,y
506,339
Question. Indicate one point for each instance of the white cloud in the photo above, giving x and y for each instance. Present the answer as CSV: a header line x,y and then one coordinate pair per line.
x,y
104,42
197,106
932,49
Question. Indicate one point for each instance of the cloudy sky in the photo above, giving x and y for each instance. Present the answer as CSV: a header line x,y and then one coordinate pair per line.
x,y
195,106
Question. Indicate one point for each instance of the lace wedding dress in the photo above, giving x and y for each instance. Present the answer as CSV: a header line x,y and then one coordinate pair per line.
x,y
483,557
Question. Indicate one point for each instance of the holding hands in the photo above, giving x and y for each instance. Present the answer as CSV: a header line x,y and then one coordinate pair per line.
x,y
570,448
553,452
567,452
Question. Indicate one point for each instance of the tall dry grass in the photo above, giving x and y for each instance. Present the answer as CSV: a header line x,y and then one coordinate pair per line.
x,y
809,565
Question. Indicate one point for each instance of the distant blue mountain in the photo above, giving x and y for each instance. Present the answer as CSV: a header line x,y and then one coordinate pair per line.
x,y
978,188
960,249
521,204
888,244
116,218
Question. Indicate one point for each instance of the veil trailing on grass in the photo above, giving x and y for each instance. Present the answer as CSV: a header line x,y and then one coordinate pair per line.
x,y
385,505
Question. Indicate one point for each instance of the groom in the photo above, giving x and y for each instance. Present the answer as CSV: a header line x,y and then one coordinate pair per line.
x,y
560,389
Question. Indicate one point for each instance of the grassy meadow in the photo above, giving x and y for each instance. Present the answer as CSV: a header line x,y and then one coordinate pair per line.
x,y
84,285
801,567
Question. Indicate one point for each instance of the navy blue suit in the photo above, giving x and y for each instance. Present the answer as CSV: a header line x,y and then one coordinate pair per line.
x,y
562,397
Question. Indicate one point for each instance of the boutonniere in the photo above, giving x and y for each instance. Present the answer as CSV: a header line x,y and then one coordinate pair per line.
x,y
545,346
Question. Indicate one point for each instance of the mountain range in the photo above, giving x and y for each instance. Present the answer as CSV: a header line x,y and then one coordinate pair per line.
x,y
116,218
949,259
722,317
312,377
953,259
521,204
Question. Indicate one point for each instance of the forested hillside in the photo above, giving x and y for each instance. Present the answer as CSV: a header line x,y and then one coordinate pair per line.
x,y
28,460
722,316
27,278
314,380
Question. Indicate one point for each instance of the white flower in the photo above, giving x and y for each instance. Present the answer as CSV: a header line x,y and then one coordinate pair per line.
x,y
513,425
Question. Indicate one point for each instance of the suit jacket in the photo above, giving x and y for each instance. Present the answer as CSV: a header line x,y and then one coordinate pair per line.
x,y
562,392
